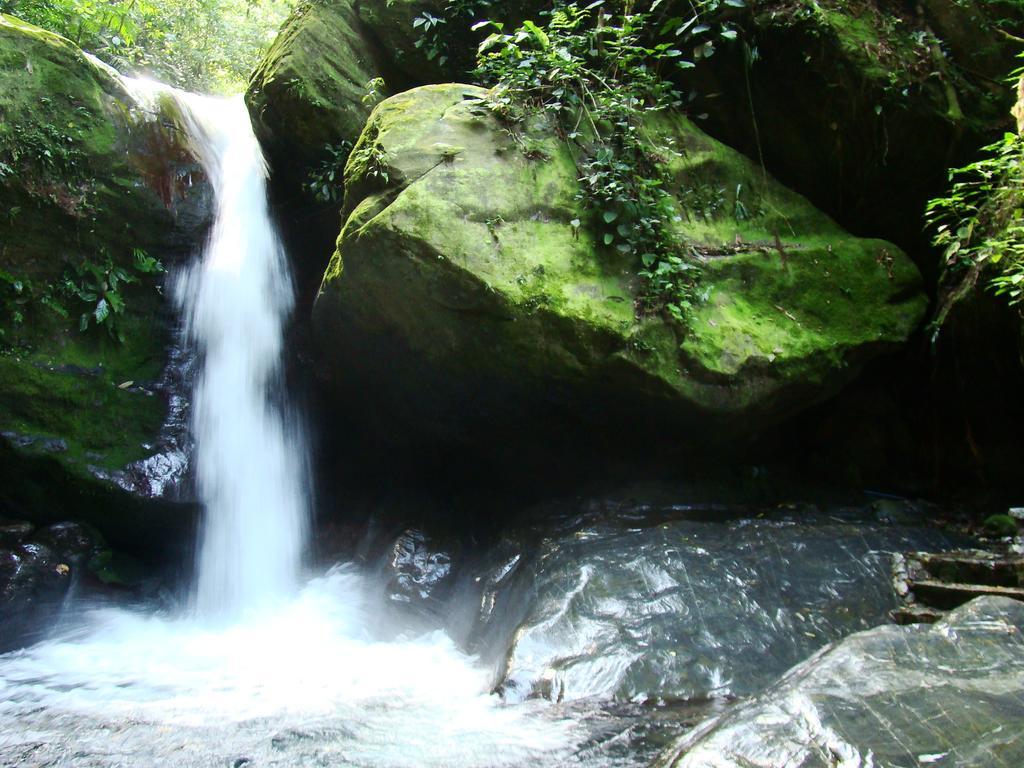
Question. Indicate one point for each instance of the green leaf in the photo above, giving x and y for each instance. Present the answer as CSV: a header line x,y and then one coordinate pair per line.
x,y
102,311
609,238
609,216
539,34
489,42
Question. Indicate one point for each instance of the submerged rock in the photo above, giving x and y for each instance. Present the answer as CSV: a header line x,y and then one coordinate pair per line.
x,y
463,299
418,572
951,693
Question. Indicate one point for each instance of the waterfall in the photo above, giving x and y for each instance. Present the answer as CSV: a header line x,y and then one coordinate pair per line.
x,y
249,452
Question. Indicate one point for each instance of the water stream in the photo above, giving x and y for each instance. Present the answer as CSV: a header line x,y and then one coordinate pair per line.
x,y
249,451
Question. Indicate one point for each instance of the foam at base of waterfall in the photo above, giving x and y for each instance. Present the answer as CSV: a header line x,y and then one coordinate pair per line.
x,y
306,664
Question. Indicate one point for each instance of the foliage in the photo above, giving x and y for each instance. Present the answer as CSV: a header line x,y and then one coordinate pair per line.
x,y
15,293
603,74
324,182
439,34
375,90
98,284
208,45
980,227
52,149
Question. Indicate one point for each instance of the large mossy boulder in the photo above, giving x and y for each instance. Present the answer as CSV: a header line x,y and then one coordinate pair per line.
x,y
309,99
85,185
948,694
463,302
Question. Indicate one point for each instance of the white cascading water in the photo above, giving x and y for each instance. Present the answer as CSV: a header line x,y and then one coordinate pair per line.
x,y
262,670
249,454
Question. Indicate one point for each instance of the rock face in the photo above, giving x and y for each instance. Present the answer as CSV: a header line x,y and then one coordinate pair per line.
x,y
943,694
37,567
308,91
84,184
863,108
461,294
655,609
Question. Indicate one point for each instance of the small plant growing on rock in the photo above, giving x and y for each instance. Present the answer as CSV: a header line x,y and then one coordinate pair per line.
x,y
324,183
980,227
100,285
601,76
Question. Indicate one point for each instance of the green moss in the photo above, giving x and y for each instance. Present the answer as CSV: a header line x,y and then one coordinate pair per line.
x,y
76,392
75,196
943,59
471,258
308,91
1000,525
64,134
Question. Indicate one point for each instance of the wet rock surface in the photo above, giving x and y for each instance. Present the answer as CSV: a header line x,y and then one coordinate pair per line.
x,y
661,605
37,568
947,694
419,573
632,618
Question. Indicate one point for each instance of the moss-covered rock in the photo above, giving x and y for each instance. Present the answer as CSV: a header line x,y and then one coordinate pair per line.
x,y
66,176
309,89
313,87
84,184
862,106
461,297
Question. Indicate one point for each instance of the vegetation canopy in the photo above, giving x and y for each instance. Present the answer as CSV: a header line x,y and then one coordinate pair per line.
x,y
980,225
201,45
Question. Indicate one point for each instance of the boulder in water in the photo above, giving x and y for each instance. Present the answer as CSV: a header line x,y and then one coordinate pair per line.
x,y
36,569
662,605
942,694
